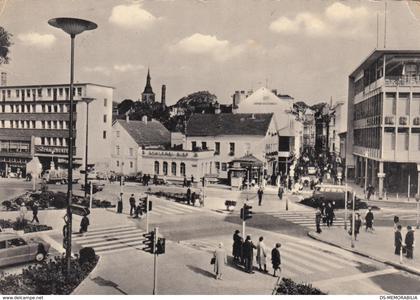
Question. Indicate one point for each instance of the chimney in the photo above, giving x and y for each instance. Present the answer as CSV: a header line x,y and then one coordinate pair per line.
x,y
127,118
144,119
163,98
3,79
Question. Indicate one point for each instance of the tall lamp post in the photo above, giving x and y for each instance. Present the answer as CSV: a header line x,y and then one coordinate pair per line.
x,y
72,27
366,172
87,101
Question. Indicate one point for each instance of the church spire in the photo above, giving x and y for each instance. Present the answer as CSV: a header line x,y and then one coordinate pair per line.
x,y
148,88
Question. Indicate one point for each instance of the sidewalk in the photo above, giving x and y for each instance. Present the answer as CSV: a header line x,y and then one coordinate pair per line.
x,y
378,246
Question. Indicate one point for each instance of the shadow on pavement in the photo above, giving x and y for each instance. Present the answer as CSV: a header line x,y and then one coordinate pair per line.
x,y
201,271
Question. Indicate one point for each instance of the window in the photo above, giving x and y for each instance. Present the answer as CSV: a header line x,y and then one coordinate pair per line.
x,y
131,164
182,169
217,164
118,163
2,245
33,124
28,93
105,102
204,145
231,149
79,91
60,92
131,151
105,118
217,150
193,145
49,108
39,93
224,167
117,150
15,243
165,168
17,93
104,134
9,93
156,167
173,168
49,92
118,134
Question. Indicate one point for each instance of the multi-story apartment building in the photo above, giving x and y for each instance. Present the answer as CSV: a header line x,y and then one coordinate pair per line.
x,y
34,122
308,134
383,136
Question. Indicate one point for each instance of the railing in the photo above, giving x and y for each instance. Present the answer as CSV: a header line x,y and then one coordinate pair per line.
x,y
402,80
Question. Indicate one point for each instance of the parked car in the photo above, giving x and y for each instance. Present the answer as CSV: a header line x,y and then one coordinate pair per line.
x,y
96,187
15,249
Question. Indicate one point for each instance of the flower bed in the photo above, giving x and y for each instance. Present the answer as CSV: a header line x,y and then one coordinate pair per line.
x,y
23,225
47,278
288,287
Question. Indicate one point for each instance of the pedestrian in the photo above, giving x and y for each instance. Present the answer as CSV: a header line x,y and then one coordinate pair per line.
x,y
193,198
369,220
357,225
192,180
396,222
138,209
22,212
132,204
261,255
318,217
409,242
280,192
370,190
185,183
220,260
276,259
237,246
188,196
120,204
84,223
398,240
248,254
260,195
35,207
329,212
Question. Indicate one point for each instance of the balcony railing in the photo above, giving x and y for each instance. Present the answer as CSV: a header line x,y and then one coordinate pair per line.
x,y
402,80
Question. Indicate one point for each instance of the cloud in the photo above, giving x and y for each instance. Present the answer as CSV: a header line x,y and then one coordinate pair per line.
x,y
201,44
127,67
37,39
338,19
98,69
132,16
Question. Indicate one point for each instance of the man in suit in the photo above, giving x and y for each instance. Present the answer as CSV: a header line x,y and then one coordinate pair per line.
x,y
248,253
398,240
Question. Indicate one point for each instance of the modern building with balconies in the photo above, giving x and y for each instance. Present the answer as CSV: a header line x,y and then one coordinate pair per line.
x,y
34,122
383,136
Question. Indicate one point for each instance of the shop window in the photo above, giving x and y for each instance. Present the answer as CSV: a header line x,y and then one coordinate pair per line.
x,y
156,167
182,169
173,168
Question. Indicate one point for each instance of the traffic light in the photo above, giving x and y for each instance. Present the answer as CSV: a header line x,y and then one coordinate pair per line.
x,y
150,205
149,242
143,205
246,212
160,246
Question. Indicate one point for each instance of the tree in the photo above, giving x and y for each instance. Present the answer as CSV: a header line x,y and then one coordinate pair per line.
x,y
5,43
125,106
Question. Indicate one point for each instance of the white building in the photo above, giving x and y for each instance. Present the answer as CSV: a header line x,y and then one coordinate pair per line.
x,y
232,136
34,121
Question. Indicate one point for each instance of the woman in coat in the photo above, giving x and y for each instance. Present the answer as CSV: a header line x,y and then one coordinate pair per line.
x,y
237,246
220,261
261,255
276,258
120,204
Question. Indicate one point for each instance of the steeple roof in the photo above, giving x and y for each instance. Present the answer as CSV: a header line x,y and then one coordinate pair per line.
x,y
148,88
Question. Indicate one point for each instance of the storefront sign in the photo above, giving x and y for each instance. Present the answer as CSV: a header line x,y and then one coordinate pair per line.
x,y
51,149
170,154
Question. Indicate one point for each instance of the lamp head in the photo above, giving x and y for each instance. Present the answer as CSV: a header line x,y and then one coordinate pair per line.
x,y
87,99
72,26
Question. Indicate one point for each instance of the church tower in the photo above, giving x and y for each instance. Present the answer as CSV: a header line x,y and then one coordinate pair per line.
x,y
148,94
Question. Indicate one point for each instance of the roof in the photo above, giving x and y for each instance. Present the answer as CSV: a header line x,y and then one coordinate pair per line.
x,y
375,54
152,133
53,85
249,158
228,124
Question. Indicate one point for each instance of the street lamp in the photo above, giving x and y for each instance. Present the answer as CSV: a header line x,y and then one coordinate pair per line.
x,y
72,27
87,101
366,165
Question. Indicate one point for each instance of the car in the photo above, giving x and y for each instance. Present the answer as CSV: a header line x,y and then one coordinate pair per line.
x,y
15,249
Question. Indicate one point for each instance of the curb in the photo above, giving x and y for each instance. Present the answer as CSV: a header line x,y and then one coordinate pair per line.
x,y
398,266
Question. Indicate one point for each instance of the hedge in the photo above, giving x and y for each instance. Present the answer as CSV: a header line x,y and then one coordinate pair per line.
x,y
288,287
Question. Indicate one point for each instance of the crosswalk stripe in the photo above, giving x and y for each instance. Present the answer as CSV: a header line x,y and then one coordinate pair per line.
x,y
356,276
115,241
104,235
293,264
187,207
156,213
129,244
95,229
319,253
167,210
291,256
322,260
136,233
118,250
102,232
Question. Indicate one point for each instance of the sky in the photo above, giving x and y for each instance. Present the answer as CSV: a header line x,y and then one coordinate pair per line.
x,y
304,48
